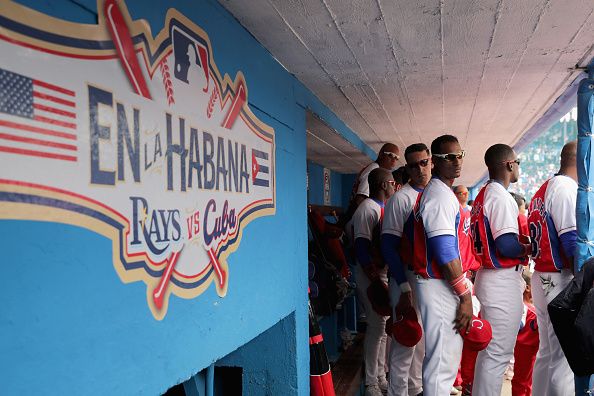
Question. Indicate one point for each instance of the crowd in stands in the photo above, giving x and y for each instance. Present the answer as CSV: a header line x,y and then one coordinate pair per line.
x,y
539,158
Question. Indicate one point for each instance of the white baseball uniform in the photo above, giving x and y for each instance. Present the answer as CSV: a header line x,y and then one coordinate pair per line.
x,y
440,213
366,218
499,289
552,374
405,364
363,183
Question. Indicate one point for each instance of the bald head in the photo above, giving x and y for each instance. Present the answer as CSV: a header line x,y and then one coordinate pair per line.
x,y
503,164
497,154
389,147
569,155
460,188
388,156
381,184
377,177
461,193
400,176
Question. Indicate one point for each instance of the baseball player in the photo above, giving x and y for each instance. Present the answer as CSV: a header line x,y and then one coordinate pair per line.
x,y
552,225
405,364
498,283
440,251
367,226
522,214
387,157
462,196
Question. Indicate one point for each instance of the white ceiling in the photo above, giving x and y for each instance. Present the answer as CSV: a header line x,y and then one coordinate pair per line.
x,y
326,147
406,71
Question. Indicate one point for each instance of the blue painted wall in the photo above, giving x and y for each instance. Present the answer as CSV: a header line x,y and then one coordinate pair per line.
x,y
68,325
347,188
266,359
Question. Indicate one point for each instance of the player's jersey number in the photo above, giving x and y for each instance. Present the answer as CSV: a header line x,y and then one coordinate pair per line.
x,y
535,236
476,238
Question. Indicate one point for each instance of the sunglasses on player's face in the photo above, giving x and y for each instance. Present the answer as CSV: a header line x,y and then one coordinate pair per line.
x,y
451,156
419,164
517,161
392,155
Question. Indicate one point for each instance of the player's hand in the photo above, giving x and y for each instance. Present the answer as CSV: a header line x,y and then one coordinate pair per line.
x,y
527,249
463,320
404,303
371,272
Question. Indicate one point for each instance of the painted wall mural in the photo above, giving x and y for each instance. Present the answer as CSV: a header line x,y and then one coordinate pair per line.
x,y
136,137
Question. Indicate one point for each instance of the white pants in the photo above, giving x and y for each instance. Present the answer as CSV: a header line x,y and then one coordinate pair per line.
x,y
500,294
443,346
406,364
374,344
552,375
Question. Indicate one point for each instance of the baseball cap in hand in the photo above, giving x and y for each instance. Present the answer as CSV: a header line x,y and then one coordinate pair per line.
x,y
479,336
377,293
406,329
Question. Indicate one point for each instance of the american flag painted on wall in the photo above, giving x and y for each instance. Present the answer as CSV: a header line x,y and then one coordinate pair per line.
x,y
37,118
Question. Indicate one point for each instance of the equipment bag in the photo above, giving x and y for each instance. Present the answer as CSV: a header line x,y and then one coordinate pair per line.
x,y
572,316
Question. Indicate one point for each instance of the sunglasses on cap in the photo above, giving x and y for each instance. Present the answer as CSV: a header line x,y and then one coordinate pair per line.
x,y
419,164
391,155
451,156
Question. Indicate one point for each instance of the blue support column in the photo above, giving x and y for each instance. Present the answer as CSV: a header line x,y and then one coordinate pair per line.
x,y
585,197
585,149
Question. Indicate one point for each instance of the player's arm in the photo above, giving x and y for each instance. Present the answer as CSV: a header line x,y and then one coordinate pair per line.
x,y
396,210
389,244
439,217
363,253
569,245
446,253
503,219
563,214
364,220
509,245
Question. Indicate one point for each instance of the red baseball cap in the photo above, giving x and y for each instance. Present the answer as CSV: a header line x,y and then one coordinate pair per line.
x,y
479,336
406,329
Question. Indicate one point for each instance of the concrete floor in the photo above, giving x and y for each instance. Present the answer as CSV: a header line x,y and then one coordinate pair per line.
x,y
506,390
347,372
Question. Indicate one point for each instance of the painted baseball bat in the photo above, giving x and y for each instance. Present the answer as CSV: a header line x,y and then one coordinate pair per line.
x,y
122,40
219,271
159,291
235,109
228,122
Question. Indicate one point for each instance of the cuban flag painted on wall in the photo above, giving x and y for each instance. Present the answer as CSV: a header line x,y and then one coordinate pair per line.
x,y
37,119
260,171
